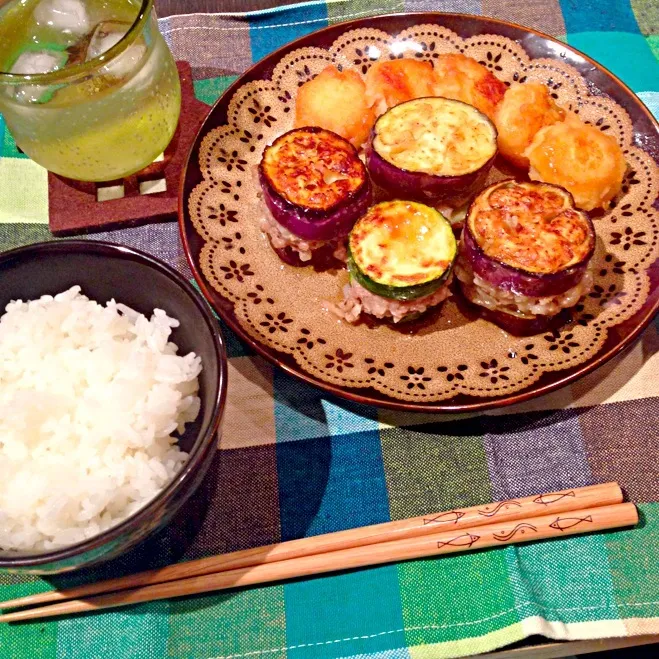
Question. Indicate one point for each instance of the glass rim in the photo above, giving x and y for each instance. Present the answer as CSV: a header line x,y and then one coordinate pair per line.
x,y
68,74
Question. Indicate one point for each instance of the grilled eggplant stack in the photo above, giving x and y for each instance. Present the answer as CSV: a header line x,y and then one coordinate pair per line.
x,y
400,257
314,187
524,254
433,150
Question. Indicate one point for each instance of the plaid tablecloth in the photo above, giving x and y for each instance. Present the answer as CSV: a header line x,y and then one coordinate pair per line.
x,y
294,462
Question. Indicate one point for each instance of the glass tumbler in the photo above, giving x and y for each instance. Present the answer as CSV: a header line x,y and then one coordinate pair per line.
x,y
109,100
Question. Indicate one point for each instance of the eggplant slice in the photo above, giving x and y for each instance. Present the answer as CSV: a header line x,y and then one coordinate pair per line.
x,y
433,149
525,250
314,184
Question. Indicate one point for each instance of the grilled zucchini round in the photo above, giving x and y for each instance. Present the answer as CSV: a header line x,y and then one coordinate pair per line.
x,y
401,250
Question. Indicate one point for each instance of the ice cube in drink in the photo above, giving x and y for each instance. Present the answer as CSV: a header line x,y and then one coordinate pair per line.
x,y
66,17
106,35
33,62
40,61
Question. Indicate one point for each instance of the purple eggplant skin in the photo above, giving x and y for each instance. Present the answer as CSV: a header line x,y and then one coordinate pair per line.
x,y
429,189
518,325
521,326
313,224
422,186
520,282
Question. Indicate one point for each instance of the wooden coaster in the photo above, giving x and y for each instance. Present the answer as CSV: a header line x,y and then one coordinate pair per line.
x,y
150,195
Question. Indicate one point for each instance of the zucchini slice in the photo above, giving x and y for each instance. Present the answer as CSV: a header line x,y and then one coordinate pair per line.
x,y
401,250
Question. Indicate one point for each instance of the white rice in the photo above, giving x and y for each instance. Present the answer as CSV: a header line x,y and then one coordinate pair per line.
x,y
90,397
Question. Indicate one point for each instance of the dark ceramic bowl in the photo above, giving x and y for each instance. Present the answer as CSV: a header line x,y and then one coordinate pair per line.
x,y
106,271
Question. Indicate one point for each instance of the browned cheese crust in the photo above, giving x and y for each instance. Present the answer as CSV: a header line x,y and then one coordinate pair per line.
x,y
313,168
532,227
401,243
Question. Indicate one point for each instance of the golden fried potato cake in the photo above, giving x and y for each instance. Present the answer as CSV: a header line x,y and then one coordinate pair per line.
x,y
335,100
464,79
392,82
581,158
524,110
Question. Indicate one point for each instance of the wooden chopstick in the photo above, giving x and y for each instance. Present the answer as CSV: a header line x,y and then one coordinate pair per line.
x,y
477,537
502,511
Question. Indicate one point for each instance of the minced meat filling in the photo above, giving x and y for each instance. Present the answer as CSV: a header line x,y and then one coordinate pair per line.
x,y
357,299
280,237
480,292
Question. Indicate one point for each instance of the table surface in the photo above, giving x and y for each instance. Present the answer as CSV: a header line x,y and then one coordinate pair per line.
x,y
295,462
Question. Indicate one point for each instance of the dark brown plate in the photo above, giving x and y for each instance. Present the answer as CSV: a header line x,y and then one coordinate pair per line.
x,y
455,362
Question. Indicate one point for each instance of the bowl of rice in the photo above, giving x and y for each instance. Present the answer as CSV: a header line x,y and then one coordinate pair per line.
x,y
113,377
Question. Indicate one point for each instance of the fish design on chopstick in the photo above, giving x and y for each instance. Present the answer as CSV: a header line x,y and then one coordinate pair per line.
x,y
564,523
466,540
450,517
520,528
546,499
499,507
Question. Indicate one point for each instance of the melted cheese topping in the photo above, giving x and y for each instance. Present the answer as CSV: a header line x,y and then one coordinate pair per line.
x,y
435,136
313,168
531,226
402,243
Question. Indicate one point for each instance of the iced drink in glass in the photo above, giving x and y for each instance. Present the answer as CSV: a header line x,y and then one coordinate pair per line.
x,y
88,88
